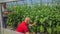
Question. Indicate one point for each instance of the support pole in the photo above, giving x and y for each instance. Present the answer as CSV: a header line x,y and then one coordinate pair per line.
x,y
1,19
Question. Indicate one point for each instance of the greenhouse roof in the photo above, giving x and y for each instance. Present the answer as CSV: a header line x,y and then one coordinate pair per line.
x,y
1,1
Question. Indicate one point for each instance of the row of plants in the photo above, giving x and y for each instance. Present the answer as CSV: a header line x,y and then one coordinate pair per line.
x,y
47,18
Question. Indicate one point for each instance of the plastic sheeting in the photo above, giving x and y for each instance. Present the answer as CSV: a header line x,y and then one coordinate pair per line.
x,y
1,1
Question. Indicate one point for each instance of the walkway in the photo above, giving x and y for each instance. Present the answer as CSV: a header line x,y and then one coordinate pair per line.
x,y
7,31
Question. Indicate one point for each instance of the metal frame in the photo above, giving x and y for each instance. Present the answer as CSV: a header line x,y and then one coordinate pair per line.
x,y
1,1
1,21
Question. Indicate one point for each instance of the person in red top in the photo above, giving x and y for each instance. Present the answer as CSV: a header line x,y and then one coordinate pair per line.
x,y
23,27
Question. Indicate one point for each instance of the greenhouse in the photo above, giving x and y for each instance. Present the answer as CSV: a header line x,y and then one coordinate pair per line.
x,y
30,16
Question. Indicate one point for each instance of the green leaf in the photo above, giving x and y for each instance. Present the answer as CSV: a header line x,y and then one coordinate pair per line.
x,y
49,30
41,29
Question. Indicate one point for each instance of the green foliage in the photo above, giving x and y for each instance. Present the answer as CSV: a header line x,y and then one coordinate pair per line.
x,y
49,30
45,16
41,29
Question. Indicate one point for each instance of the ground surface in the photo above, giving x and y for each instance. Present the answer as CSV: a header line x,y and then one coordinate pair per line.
x,y
7,31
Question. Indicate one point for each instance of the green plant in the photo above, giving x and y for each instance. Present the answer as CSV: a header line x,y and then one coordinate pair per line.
x,y
46,17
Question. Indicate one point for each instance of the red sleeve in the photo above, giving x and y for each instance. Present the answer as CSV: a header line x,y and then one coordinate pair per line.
x,y
25,28
19,28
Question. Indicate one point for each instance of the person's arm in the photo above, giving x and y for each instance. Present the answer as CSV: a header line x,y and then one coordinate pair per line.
x,y
26,30
18,33
33,24
27,33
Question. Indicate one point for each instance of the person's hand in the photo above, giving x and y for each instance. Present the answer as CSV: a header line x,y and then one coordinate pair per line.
x,y
34,23
30,25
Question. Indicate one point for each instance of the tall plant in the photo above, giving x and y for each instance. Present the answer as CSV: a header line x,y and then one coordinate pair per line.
x,y
47,17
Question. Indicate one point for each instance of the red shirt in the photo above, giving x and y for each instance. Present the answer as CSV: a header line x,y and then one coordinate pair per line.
x,y
23,28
